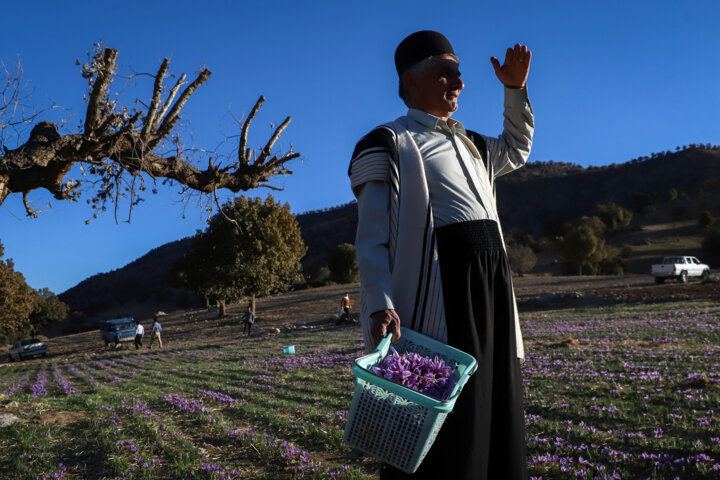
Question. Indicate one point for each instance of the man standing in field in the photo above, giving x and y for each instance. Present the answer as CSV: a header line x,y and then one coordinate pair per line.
x,y
431,253
155,333
139,332
248,320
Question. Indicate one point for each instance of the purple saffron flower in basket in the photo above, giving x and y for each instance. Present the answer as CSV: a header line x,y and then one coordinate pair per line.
x,y
431,377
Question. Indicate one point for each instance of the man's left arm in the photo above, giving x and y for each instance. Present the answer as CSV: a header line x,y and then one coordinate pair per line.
x,y
512,149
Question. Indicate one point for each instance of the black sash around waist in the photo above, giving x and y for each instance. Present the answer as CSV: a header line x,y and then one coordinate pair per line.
x,y
482,234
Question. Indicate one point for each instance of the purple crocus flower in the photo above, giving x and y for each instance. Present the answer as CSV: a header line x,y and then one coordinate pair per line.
x,y
428,376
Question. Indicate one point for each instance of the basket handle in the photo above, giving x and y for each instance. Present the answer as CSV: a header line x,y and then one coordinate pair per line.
x,y
381,350
462,383
383,345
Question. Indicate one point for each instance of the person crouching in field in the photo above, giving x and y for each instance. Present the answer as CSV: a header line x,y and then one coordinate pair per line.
x,y
155,334
344,309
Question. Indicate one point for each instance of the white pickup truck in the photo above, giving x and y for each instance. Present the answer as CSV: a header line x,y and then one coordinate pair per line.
x,y
680,268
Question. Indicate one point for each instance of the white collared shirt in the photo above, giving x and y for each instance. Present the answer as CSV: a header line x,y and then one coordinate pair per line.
x,y
453,196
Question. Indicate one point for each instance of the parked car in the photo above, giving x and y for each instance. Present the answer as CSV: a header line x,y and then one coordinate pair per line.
x,y
680,268
26,348
117,330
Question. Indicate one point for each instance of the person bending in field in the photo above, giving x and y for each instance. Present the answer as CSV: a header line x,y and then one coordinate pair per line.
x,y
344,309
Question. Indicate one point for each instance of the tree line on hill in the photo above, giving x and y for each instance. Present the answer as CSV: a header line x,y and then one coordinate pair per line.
x,y
584,245
551,168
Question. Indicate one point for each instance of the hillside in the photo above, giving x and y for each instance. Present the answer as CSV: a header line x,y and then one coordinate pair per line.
x,y
527,203
138,289
530,200
324,230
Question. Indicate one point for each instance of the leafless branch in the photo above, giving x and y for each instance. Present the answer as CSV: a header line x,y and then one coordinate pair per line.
x,y
132,197
157,95
170,98
173,115
222,212
16,102
112,145
11,88
268,148
243,152
30,212
103,70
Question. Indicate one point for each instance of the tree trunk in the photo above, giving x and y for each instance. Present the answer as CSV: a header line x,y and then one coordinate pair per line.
x,y
221,309
252,303
580,270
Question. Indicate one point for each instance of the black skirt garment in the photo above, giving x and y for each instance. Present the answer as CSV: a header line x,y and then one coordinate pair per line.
x,y
484,436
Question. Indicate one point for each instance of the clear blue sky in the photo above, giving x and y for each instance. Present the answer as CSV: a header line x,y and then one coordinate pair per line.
x,y
610,81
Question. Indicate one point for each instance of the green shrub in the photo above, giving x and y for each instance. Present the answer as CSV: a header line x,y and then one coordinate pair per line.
x,y
706,220
613,216
343,265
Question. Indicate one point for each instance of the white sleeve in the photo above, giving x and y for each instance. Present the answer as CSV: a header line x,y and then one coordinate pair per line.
x,y
512,149
371,244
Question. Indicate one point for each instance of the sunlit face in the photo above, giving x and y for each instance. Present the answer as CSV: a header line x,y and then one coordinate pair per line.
x,y
437,88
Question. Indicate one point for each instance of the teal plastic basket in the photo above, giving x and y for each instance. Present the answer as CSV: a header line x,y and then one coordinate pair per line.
x,y
289,349
393,423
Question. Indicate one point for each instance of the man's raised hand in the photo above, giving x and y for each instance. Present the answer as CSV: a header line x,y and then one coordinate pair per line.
x,y
514,71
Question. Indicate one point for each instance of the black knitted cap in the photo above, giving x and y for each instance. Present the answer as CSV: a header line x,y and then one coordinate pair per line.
x,y
419,46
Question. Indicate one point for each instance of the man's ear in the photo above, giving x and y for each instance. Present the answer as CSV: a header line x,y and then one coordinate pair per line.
x,y
410,82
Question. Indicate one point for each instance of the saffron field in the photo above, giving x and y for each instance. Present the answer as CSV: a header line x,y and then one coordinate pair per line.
x,y
629,392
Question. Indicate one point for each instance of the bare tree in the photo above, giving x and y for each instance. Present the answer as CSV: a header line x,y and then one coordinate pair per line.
x,y
119,150
16,102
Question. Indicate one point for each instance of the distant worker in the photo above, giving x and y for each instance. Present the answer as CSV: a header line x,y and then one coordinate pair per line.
x,y
248,320
155,334
345,309
139,332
